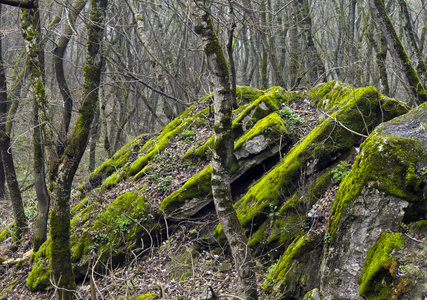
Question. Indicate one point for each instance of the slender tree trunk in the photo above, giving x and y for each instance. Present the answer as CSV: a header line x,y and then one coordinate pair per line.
x,y
7,158
2,180
58,60
264,59
43,198
421,68
61,183
223,149
294,49
380,58
317,70
399,53
274,67
351,48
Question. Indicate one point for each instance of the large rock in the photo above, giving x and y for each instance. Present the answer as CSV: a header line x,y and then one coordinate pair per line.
x,y
386,186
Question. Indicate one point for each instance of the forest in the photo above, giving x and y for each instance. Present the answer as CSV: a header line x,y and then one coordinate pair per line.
x,y
213,149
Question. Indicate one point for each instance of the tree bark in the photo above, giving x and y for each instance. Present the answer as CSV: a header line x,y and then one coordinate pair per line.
x,y
7,158
20,3
399,53
223,149
421,68
317,70
62,179
58,60
61,172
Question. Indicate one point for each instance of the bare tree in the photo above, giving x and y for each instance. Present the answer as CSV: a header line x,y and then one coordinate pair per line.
x,y
223,149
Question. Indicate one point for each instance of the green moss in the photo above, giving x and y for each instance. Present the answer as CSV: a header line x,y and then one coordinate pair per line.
x,y
246,94
198,186
150,296
384,163
272,126
301,246
119,159
372,282
330,96
120,214
258,237
257,110
325,142
39,277
81,247
6,232
82,204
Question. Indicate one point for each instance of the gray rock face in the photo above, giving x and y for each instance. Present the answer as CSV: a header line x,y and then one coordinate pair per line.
x,y
371,213
253,146
389,188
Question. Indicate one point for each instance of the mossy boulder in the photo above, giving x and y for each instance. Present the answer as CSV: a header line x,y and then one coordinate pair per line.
x,y
263,140
314,294
296,272
383,189
361,112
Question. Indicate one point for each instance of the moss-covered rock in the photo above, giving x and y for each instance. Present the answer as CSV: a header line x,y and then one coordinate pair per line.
x,y
383,188
314,294
296,272
376,280
360,114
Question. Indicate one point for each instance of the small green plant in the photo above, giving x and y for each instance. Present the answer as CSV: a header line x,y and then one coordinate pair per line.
x,y
327,238
122,224
252,122
188,135
289,115
341,171
156,176
423,173
163,184
273,213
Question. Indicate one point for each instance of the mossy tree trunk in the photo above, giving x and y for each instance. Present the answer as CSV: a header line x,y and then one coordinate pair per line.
x,y
76,145
380,49
7,158
62,171
58,60
223,149
401,57
35,62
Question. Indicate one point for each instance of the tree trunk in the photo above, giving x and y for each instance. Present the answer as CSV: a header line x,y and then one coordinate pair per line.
x,y
399,53
421,68
58,59
61,183
317,70
223,149
294,49
7,158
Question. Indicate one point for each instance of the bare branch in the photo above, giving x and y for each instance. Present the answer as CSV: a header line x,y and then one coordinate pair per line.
x,y
29,4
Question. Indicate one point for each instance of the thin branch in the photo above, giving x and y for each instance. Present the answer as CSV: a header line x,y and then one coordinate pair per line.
x,y
29,4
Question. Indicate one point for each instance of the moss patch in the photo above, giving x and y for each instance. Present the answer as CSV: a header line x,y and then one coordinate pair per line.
x,y
384,163
296,271
39,277
375,281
